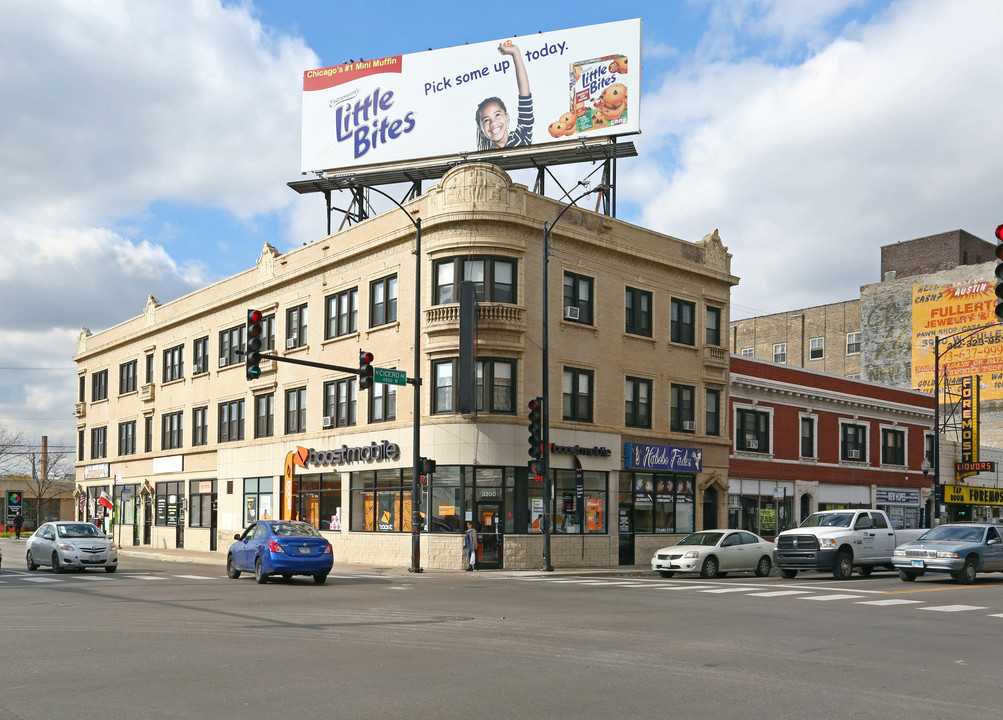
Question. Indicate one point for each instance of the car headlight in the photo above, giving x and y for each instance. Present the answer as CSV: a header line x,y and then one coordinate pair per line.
x,y
898,553
945,554
65,546
827,542
692,554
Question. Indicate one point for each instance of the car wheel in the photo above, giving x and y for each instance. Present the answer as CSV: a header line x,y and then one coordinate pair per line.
x,y
967,574
320,578
789,573
32,565
55,563
709,569
111,568
259,573
907,575
231,569
666,573
843,568
764,566
865,570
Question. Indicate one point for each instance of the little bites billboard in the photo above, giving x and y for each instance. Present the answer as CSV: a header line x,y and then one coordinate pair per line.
x,y
531,90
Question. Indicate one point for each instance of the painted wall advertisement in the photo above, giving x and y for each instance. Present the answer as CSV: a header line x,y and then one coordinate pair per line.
x,y
945,310
528,90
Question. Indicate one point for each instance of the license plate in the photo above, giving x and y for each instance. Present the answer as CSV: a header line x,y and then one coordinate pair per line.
x,y
304,551
917,563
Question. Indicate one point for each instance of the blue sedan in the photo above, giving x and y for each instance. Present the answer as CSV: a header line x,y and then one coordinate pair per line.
x,y
280,547
959,549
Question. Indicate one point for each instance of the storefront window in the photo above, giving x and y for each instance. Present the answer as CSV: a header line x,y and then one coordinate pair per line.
x,y
594,502
446,505
316,500
201,494
125,504
381,500
258,500
663,502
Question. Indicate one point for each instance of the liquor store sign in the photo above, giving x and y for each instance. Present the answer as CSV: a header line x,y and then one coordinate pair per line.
x,y
965,495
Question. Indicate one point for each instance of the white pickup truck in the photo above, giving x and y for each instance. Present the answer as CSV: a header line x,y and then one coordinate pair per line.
x,y
840,540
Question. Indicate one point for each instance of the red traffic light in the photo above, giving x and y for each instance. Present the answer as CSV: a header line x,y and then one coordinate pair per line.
x,y
999,233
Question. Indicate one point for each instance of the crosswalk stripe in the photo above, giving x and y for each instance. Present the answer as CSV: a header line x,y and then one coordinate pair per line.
x,y
779,593
954,608
723,590
197,577
823,598
885,603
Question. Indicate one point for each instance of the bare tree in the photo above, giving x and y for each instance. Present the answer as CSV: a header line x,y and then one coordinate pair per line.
x,y
51,475
11,450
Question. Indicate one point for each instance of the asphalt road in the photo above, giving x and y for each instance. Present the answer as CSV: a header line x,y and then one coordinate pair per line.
x,y
180,640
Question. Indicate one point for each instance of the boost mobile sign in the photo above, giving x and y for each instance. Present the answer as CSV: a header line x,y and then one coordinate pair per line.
x,y
530,90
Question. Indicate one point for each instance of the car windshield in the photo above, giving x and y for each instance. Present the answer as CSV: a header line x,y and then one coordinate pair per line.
x,y
828,520
954,533
294,530
701,538
78,530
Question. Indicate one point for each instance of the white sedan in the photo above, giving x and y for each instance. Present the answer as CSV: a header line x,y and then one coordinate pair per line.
x,y
71,545
715,553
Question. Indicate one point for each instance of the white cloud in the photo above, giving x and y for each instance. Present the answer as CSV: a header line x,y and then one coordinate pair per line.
x,y
808,170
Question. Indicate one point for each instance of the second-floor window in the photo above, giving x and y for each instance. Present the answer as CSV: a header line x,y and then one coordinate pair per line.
x,y
383,301
752,431
495,386
682,412
808,437
893,447
296,410
578,298
127,377
340,399
264,415
99,386
341,313
296,327
637,402
171,429
682,322
200,426
231,421
382,402
577,390
853,442
99,443
127,438
637,305
174,363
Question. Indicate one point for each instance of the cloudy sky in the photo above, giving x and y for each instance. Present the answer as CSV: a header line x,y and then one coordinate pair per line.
x,y
145,146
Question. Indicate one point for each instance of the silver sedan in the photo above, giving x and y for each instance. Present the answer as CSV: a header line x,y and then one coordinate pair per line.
x,y
71,546
715,553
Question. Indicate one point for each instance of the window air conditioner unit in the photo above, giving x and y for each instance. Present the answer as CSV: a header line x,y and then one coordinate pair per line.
x,y
689,425
292,342
853,454
223,362
327,421
751,444
571,312
79,409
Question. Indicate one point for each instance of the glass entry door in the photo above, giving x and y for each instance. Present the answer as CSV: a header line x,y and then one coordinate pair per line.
x,y
489,534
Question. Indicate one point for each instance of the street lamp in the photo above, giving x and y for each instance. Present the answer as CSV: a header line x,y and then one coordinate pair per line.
x,y
548,481
416,463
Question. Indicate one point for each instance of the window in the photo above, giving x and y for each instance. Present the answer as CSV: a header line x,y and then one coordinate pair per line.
x,y
81,388
200,355
231,421
713,326
80,445
259,500
341,314
658,502
578,298
268,332
853,343
99,386
149,369
382,402
892,447
381,500
853,443
493,278
316,499
780,353
712,412
296,325
340,401
127,377
171,429
200,426
577,391
296,410
127,438
148,434
264,414
749,352
637,304
442,400
816,348
681,412
637,402
681,330
174,363
495,386
383,301
230,341
99,439
807,437
752,431
201,494
169,503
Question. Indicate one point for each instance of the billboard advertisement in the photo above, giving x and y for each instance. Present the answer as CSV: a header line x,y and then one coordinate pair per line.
x,y
512,92
949,312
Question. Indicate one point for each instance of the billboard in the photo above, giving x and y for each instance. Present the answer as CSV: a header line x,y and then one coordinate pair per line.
x,y
513,92
950,311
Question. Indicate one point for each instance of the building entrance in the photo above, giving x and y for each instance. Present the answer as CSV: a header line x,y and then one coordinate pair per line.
x,y
489,534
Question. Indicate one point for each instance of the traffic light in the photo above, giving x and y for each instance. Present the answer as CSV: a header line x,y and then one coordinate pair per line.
x,y
365,370
536,436
999,273
252,354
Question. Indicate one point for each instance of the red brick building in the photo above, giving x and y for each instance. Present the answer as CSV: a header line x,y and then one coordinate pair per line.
x,y
803,441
